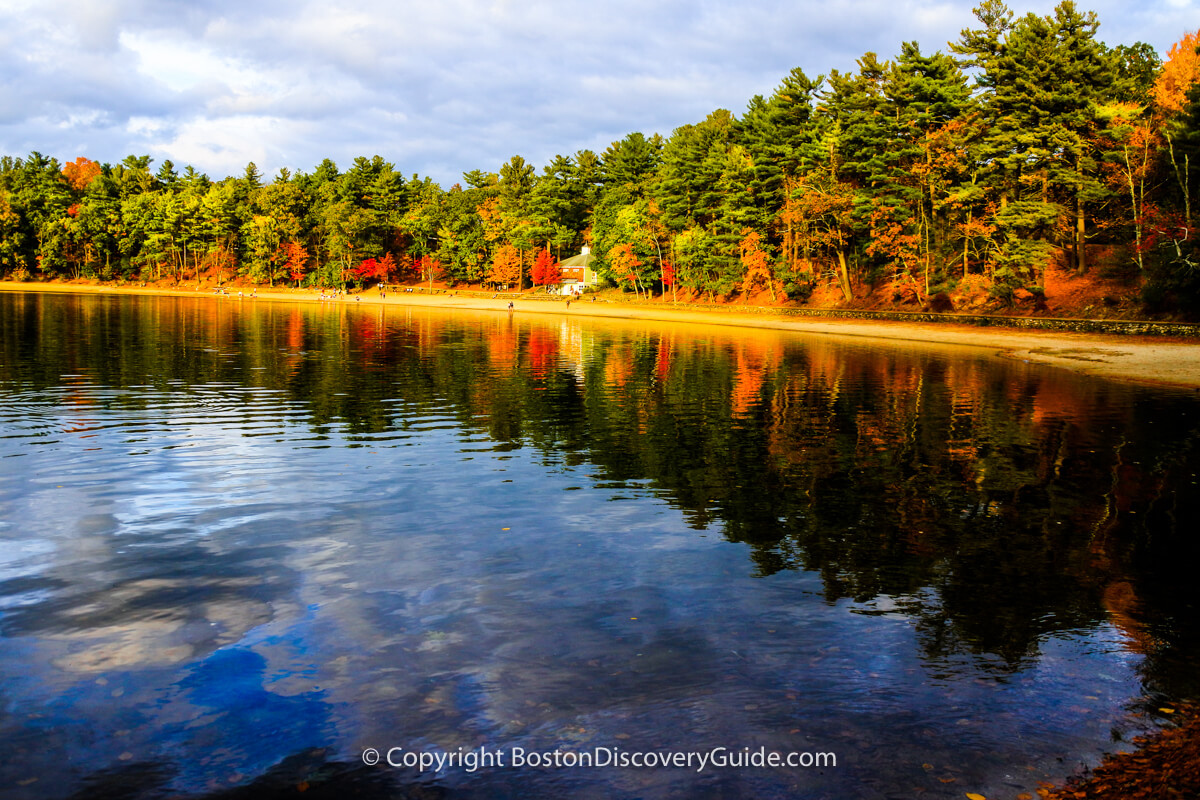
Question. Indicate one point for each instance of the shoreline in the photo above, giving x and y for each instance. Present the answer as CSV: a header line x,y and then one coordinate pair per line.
x,y
1154,360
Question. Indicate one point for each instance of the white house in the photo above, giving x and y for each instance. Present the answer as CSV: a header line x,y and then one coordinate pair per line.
x,y
577,273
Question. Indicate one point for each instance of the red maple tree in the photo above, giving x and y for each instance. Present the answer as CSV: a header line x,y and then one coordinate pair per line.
x,y
546,270
375,269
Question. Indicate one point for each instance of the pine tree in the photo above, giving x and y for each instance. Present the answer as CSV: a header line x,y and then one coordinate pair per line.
x,y
926,95
630,161
1042,78
779,136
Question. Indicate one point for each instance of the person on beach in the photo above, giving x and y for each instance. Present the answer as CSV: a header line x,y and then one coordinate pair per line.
x,y
510,305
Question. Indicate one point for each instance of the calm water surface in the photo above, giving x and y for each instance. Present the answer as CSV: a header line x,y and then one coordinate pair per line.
x,y
241,542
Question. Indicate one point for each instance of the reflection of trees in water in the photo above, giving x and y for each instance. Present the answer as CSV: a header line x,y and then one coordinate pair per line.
x,y
1027,501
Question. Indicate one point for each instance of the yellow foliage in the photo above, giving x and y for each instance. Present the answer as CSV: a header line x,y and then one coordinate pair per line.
x,y
506,266
1179,72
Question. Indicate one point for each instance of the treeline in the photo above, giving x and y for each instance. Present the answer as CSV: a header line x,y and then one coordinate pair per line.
x,y
1030,140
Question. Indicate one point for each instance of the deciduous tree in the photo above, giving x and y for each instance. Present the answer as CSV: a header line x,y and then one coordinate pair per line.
x,y
506,266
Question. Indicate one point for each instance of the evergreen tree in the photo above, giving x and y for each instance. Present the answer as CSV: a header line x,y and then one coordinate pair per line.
x,y
630,161
692,162
1043,77
1135,68
926,95
779,136
166,174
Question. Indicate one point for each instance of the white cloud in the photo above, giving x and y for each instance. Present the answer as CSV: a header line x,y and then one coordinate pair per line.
x,y
140,127
226,145
181,65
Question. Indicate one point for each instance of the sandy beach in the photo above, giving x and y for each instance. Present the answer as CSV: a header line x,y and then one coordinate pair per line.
x,y
1153,360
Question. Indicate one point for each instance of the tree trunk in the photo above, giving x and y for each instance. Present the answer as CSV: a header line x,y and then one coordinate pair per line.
x,y
1137,210
1182,179
844,275
1080,238
966,244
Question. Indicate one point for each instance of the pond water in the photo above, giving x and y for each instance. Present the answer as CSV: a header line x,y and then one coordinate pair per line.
x,y
242,542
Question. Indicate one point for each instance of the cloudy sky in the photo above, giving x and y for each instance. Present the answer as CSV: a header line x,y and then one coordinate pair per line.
x,y
437,87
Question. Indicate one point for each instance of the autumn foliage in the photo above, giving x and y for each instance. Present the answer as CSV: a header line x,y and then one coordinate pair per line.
x,y
546,270
624,262
668,273
367,269
81,172
292,259
1180,71
430,268
506,266
757,265
1164,765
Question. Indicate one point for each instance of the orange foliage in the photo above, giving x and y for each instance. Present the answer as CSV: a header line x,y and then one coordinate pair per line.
x,y
1179,72
818,218
1164,765
81,172
976,227
292,257
506,266
221,263
756,264
624,262
546,270
429,268
489,212
888,239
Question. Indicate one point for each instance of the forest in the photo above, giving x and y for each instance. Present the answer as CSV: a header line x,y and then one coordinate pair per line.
x,y
1029,142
